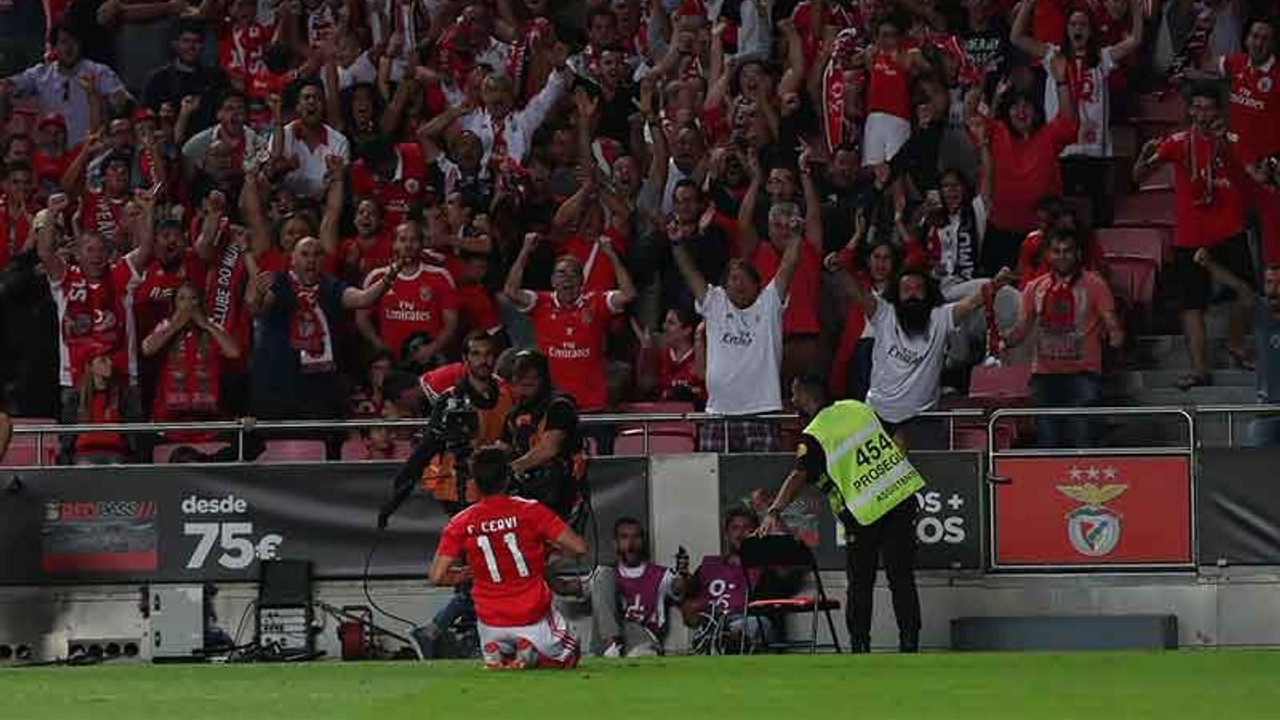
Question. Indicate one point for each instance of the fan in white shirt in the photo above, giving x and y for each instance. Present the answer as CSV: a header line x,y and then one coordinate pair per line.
x,y
910,325
744,325
498,124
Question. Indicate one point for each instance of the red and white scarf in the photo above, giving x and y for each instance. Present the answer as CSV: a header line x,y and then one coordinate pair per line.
x,y
309,331
537,31
834,90
1204,180
190,380
1059,337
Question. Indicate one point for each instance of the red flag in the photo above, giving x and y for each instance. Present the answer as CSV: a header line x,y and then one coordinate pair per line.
x,y
1093,510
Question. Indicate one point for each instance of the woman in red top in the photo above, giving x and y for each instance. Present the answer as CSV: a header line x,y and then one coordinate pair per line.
x,y
677,369
1020,159
190,349
104,398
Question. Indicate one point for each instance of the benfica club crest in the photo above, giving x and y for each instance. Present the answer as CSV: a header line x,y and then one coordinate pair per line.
x,y
1093,529
412,186
1264,84
424,293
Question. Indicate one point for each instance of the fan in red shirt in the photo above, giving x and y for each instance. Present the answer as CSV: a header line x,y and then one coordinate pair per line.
x,y
52,157
172,265
94,296
891,63
1210,214
1020,158
395,175
802,349
677,370
242,40
103,211
570,326
189,349
369,248
505,541
422,299
1254,107
476,308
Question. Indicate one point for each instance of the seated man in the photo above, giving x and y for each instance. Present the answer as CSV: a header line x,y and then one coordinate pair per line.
x,y
505,540
629,600
717,602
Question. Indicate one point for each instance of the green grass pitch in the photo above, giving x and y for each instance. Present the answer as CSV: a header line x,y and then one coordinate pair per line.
x,y
1198,685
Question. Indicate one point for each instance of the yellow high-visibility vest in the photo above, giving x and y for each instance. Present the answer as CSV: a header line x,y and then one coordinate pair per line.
x,y
869,474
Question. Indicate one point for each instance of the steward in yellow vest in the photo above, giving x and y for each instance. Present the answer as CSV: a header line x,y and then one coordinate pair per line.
x,y
871,486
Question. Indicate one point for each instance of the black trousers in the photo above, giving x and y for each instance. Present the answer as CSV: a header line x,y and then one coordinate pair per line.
x,y
893,539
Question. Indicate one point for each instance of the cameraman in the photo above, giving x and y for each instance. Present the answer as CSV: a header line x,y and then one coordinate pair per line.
x,y
542,431
466,415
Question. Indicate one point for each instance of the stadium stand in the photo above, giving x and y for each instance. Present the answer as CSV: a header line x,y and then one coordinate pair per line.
x,y
585,130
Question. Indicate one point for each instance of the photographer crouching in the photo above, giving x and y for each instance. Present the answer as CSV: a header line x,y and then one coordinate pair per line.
x,y
542,431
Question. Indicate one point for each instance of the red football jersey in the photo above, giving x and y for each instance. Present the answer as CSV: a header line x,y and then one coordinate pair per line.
x,y
597,270
676,373
103,214
242,50
96,313
889,88
357,257
1209,208
1255,106
505,540
406,188
573,338
801,313
476,309
415,303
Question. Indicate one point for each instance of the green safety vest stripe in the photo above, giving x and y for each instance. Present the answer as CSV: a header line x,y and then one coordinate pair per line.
x,y
869,475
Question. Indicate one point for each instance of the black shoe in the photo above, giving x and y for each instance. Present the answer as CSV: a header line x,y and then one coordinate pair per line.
x,y
909,644
860,647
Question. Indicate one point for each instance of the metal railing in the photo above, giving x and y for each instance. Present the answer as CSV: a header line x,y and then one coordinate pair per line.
x,y
1232,411
645,422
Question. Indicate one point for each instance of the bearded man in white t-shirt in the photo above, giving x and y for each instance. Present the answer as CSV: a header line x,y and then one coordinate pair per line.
x,y
910,325
744,342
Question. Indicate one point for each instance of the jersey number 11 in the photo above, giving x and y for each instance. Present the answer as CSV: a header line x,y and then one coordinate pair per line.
x,y
522,569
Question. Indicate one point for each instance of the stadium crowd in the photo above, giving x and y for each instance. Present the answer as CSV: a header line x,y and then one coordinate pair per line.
x,y
292,209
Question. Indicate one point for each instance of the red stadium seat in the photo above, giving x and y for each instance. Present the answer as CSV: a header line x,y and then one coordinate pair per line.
x,y
356,449
24,449
1148,209
664,437
1133,279
161,454
1159,109
1148,243
286,451
1000,382
659,406
670,440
